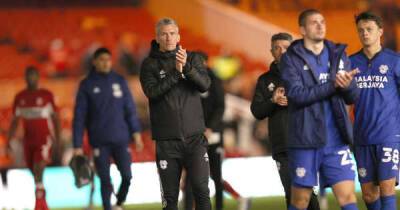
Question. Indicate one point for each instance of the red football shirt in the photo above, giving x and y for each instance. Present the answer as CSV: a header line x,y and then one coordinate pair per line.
x,y
35,108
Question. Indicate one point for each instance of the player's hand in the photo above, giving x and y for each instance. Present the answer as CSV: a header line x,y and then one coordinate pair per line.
x,y
179,67
78,152
282,101
344,78
278,97
208,133
181,57
276,94
137,137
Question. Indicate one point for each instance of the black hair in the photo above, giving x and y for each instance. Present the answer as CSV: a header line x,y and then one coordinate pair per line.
x,y
100,51
369,16
31,70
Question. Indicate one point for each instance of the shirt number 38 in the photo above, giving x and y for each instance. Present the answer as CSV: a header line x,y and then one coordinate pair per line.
x,y
390,155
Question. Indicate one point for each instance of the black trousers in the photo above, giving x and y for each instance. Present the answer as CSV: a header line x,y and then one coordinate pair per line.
x,y
191,154
3,174
282,162
215,153
122,158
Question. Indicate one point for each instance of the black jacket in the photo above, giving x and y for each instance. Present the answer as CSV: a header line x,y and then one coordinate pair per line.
x,y
262,107
213,102
174,98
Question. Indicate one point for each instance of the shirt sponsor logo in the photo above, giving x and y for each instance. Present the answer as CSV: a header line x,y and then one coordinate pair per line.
x,y
37,112
323,77
371,81
306,68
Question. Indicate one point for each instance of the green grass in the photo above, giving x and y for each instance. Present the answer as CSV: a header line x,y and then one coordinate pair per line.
x,y
265,203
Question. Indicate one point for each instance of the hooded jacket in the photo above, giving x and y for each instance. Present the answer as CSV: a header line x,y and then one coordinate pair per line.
x,y
174,97
105,106
262,107
306,96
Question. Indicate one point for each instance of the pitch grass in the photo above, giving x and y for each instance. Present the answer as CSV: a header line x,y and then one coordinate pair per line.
x,y
264,203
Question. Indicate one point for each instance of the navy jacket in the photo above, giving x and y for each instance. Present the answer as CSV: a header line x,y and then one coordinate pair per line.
x,y
104,105
306,95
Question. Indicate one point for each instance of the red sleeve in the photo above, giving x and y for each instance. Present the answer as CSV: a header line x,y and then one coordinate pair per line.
x,y
51,100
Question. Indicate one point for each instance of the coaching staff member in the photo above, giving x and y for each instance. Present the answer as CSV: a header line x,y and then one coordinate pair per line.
x,y
173,79
104,105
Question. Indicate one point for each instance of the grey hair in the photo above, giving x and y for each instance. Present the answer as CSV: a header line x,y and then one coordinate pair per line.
x,y
164,22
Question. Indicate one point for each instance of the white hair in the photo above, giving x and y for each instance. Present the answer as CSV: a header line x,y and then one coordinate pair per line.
x,y
164,22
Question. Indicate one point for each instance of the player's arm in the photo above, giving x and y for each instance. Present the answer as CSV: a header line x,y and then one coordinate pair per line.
x,y
196,72
14,122
262,105
298,94
80,118
56,121
152,87
13,128
131,116
351,93
57,131
57,125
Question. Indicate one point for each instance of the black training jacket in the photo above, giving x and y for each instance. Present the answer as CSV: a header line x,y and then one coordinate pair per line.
x,y
262,107
174,98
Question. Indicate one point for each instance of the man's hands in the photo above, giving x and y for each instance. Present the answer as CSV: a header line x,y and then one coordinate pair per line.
x,y
181,57
208,133
344,78
278,97
137,138
78,151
